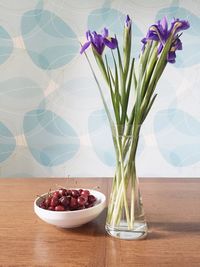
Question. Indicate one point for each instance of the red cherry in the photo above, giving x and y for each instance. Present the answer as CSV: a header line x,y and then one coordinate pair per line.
x,y
43,206
81,207
73,203
80,191
75,193
56,194
62,191
65,201
59,208
81,201
48,201
51,208
54,201
91,199
69,192
86,205
68,199
85,193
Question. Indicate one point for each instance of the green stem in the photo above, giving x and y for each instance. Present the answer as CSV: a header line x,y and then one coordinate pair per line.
x,y
123,179
133,185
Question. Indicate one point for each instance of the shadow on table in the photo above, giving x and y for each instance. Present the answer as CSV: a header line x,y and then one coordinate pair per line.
x,y
163,229
177,226
157,230
93,228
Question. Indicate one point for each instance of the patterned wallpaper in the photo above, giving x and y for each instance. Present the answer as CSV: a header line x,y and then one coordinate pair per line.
x,y
52,121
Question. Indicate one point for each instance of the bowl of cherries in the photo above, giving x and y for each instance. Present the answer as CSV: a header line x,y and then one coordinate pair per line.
x,y
69,208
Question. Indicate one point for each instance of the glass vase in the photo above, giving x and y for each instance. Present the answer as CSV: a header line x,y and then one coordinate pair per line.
x,y
125,216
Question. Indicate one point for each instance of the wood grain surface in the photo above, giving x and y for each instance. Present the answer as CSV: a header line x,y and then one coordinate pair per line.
x,y
172,208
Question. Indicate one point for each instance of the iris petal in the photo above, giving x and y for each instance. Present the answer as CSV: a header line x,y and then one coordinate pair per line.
x,y
153,36
178,44
105,33
111,42
171,57
88,35
85,46
160,48
98,41
164,23
128,21
160,32
180,25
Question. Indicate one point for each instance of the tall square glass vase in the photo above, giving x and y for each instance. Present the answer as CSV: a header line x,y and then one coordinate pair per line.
x,y
125,216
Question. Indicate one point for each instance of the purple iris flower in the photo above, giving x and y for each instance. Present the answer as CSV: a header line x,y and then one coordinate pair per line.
x,y
179,25
160,32
128,21
176,45
99,41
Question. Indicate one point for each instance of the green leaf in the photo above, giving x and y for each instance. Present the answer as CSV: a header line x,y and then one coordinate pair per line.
x,y
122,85
127,49
134,79
127,94
144,59
149,107
118,96
157,72
115,106
101,65
153,57
111,123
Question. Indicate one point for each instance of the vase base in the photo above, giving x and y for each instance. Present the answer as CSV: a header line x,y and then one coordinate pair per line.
x,y
139,231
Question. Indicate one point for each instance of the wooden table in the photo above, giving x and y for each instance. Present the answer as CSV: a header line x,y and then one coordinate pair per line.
x,y
172,209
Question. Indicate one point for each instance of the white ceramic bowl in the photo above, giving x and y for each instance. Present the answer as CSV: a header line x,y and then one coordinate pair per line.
x,y
71,219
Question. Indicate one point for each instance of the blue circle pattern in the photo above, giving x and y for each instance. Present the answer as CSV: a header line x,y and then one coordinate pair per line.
x,y
49,41
7,142
178,135
6,45
51,44
50,139
101,138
